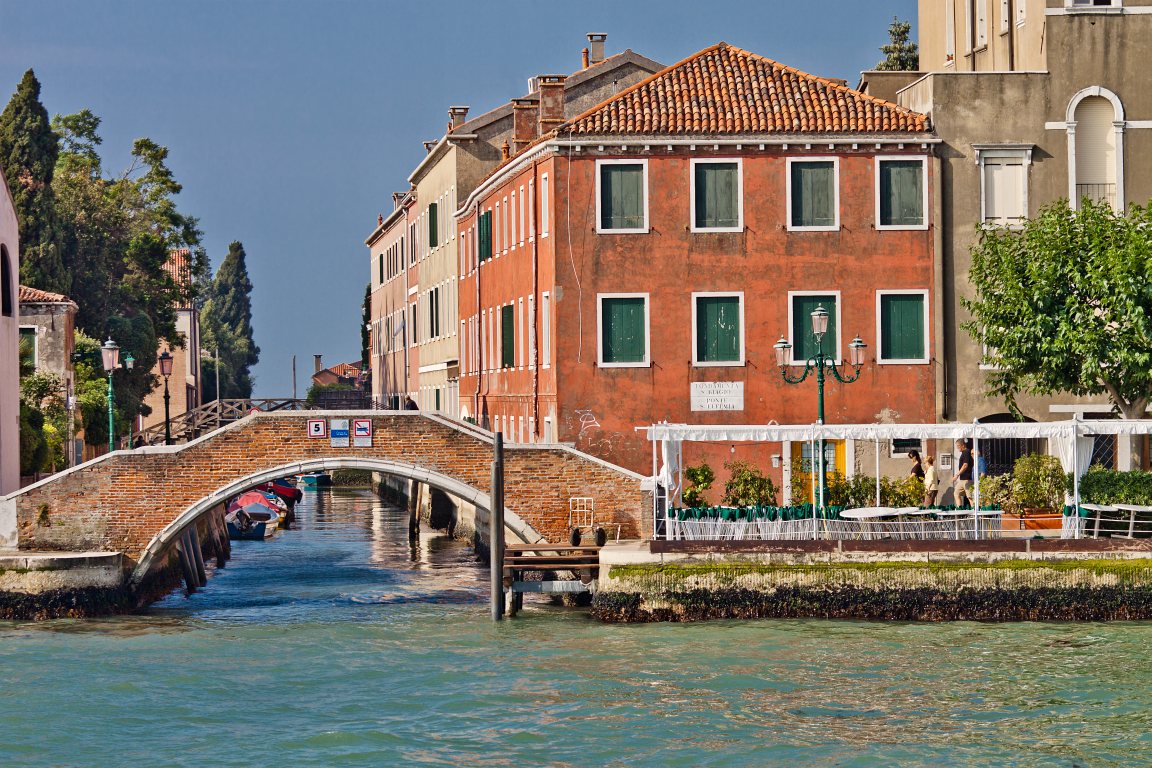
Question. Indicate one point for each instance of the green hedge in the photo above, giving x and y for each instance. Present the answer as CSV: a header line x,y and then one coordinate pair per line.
x,y
1109,486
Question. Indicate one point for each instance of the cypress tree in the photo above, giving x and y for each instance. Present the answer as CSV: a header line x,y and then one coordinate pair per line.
x,y
28,150
227,320
365,334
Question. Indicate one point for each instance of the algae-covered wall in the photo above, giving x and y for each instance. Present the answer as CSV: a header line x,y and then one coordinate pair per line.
x,y
1006,590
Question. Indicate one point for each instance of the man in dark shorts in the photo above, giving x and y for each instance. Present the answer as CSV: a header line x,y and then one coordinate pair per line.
x,y
963,480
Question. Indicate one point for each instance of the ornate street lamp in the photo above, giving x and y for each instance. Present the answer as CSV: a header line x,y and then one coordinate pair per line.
x,y
165,361
110,357
819,363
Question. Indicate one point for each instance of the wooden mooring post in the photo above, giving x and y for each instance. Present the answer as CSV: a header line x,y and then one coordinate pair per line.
x,y
496,528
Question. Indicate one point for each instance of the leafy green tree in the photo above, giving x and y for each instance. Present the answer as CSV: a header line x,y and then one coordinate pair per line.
x,y
28,151
365,324
1064,305
900,54
226,324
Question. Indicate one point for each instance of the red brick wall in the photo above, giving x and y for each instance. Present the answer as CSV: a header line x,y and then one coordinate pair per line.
x,y
120,503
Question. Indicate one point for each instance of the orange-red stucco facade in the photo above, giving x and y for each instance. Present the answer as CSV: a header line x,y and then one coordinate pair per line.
x,y
544,236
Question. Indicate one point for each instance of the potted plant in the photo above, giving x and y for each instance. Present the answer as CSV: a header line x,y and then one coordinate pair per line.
x,y
1037,489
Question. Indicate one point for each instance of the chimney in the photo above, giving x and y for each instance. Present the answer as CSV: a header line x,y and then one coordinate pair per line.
x,y
504,152
430,145
551,102
456,117
379,219
396,198
596,47
319,365
584,58
523,124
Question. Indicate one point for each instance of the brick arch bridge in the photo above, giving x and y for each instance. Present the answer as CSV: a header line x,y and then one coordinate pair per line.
x,y
139,502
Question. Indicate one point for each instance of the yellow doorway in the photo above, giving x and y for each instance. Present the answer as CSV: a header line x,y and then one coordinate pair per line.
x,y
803,465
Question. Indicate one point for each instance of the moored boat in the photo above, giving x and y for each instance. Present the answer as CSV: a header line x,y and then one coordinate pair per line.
x,y
314,480
283,489
252,516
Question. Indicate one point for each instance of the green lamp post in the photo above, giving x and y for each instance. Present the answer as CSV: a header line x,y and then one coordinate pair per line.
x,y
110,357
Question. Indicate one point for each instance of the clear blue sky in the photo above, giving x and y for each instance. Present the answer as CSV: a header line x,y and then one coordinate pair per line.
x,y
290,123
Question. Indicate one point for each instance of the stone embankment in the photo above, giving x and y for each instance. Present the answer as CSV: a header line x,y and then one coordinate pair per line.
x,y
908,581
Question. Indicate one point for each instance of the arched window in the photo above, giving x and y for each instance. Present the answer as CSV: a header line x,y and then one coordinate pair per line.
x,y
7,284
1096,147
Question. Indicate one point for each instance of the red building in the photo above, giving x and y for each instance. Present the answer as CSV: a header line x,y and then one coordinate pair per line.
x,y
638,262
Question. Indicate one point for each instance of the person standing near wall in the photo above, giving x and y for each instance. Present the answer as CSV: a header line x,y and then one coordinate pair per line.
x,y
931,482
963,480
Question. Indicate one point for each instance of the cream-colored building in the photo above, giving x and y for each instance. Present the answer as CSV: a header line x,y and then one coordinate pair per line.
x,y
413,251
184,383
1034,100
9,350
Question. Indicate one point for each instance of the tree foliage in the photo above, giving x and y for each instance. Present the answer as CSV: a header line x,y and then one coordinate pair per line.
x,y
226,324
900,54
365,334
1065,305
28,152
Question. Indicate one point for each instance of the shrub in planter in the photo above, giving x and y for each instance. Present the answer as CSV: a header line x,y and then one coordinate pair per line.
x,y
996,491
747,486
1038,482
851,492
701,477
1109,486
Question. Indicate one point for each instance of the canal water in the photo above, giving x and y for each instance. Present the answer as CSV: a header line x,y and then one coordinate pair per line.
x,y
339,644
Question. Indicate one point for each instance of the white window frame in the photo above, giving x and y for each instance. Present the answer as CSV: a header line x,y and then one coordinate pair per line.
x,y
1005,22
950,33
981,22
546,329
35,342
984,152
924,205
791,324
520,239
880,359
984,366
835,192
522,333
1076,7
641,161
544,205
696,362
739,193
509,218
647,361
1118,123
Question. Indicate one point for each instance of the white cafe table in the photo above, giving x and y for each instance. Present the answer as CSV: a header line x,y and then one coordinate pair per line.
x,y
1133,508
867,516
1098,508
975,514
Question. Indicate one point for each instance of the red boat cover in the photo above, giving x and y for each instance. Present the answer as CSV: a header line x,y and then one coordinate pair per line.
x,y
250,498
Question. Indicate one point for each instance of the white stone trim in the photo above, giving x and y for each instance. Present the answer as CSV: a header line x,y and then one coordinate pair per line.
x,y
1118,124
647,361
835,192
739,193
924,185
641,161
880,359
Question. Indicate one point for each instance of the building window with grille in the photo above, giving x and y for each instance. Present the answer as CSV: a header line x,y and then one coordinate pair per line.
x,y
1004,183
1095,146
717,196
622,325
717,329
902,326
813,194
901,193
622,196
507,336
801,306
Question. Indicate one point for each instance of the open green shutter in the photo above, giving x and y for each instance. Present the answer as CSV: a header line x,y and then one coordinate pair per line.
x,y
804,341
902,327
508,336
484,233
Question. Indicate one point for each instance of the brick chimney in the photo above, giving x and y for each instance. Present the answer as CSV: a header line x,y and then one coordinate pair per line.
x,y
456,117
596,47
551,102
523,124
319,365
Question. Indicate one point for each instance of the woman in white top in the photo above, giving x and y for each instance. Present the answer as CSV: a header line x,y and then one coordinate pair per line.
x,y
931,482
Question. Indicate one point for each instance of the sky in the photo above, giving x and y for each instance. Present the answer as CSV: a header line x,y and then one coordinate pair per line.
x,y
291,122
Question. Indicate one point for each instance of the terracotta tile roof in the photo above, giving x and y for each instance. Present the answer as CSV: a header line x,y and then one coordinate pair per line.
x,y
37,296
346,370
178,266
725,90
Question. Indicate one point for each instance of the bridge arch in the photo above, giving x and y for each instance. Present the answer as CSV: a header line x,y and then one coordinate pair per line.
x,y
168,535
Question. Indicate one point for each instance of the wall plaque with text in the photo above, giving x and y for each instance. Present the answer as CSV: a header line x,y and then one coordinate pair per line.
x,y
717,395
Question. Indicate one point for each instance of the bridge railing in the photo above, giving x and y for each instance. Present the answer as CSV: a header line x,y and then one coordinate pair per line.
x,y
212,416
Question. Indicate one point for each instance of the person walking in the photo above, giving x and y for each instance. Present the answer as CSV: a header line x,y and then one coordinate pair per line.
x,y
917,468
931,482
963,480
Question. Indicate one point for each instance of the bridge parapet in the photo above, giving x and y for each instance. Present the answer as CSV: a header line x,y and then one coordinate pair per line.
x,y
131,501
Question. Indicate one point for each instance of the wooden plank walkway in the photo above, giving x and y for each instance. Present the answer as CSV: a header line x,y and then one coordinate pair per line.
x,y
519,559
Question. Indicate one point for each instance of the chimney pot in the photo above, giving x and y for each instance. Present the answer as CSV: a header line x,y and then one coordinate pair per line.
x,y
379,219
456,117
504,152
319,365
584,59
551,102
596,46
430,145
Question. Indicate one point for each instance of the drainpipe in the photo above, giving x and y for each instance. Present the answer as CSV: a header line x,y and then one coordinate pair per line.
x,y
480,329
533,352
407,256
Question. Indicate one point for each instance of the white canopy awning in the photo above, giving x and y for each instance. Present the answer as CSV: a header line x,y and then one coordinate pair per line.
x,y
776,433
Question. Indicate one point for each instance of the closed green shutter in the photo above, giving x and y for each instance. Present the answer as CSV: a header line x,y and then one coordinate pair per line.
x,y
901,193
381,268
902,327
433,227
802,338
623,330
508,336
717,195
813,194
622,196
717,329
484,234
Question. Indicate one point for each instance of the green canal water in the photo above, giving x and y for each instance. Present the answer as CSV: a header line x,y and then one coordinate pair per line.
x,y
340,644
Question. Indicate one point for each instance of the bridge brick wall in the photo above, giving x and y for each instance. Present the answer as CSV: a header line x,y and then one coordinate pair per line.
x,y
121,502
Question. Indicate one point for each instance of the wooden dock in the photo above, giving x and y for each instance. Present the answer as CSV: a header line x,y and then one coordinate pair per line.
x,y
519,559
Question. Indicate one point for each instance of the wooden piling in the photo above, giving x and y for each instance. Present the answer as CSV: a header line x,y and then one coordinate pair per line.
x,y
186,564
198,555
496,528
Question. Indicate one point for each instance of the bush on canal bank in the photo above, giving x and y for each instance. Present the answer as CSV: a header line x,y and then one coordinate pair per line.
x,y
352,478
1017,590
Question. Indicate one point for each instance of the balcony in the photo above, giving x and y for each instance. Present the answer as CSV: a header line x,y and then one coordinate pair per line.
x,y
1097,193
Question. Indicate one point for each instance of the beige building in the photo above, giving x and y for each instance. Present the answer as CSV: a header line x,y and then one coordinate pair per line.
x,y
415,262
184,383
1034,100
9,352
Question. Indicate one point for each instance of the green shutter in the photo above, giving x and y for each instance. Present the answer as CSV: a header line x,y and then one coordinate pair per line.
x,y
381,268
717,195
802,338
902,327
717,329
901,193
813,194
623,330
484,234
622,196
433,228
508,336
